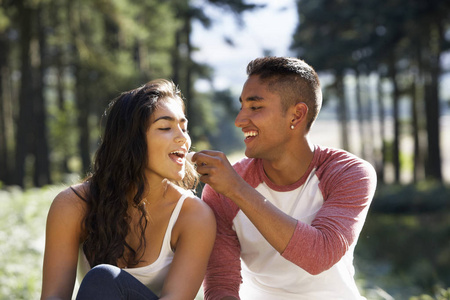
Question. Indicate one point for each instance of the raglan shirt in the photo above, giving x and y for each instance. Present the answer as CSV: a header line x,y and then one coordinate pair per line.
x,y
330,202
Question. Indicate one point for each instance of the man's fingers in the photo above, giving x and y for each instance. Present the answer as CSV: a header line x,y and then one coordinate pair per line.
x,y
205,179
210,152
202,159
204,168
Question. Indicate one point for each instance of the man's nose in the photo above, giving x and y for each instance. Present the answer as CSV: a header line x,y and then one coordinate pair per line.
x,y
241,119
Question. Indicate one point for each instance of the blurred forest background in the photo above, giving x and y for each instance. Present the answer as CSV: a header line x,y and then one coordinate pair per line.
x,y
384,65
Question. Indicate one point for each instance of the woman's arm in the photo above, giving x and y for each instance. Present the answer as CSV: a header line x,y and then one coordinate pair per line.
x,y
195,233
223,275
62,242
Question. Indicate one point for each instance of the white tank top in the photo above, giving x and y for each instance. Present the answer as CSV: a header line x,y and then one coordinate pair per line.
x,y
153,275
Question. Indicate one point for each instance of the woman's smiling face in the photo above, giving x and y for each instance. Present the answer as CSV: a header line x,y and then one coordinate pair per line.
x,y
168,141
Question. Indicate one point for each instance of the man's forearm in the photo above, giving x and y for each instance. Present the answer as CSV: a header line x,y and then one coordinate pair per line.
x,y
276,226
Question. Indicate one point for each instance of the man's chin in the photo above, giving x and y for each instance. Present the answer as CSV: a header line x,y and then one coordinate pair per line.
x,y
250,154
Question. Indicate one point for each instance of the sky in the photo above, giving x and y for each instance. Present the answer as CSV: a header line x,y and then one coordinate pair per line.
x,y
270,28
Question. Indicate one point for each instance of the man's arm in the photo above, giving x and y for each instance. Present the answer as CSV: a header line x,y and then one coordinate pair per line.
x,y
276,226
223,275
337,225
315,247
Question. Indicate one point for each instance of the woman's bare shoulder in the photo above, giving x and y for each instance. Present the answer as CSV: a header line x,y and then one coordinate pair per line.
x,y
196,224
193,209
197,205
197,214
72,199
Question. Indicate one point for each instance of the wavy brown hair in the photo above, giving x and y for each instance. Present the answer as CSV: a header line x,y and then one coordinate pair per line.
x,y
118,174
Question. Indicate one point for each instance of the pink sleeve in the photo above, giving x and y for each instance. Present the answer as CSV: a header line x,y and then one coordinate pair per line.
x,y
223,275
347,195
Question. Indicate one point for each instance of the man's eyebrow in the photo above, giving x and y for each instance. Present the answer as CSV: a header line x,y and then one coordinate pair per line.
x,y
252,99
169,118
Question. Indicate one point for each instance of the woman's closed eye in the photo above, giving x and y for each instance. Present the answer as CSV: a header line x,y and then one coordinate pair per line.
x,y
169,128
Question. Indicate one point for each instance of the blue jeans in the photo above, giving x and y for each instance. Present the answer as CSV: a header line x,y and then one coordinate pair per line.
x,y
110,282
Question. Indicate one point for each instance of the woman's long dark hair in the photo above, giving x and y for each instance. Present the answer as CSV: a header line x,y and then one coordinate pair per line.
x,y
118,174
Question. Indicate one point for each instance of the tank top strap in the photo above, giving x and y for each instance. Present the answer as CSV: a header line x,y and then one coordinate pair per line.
x,y
174,218
78,194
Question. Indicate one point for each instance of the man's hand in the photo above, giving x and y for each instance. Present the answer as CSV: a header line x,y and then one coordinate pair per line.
x,y
216,170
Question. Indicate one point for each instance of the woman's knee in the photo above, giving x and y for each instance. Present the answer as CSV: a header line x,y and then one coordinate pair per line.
x,y
100,283
102,273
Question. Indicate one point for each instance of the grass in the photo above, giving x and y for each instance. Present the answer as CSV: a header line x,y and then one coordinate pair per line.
x,y
404,246
22,236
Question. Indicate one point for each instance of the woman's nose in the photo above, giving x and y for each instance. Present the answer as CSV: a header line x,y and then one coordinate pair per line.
x,y
181,136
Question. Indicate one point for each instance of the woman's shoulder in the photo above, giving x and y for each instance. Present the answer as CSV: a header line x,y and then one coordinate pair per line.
x,y
71,200
196,223
194,209
66,214
197,207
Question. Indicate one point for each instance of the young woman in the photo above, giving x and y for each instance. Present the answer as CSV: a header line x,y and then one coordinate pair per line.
x,y
133,229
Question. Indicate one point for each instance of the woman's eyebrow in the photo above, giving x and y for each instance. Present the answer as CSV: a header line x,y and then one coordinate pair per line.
x,y
171,119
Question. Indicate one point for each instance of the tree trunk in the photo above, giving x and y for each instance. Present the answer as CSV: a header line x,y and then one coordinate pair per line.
x,y
432,108
369,138
176,64
415,131
381,116
4,168
82,102
183,66
83,109
181,7
342,110
64,164
25,122
189,64
360,114
41,149
395,100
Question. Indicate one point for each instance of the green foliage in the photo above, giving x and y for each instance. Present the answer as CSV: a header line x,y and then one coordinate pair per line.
x,y
62,137
404,248
201,110
4,20
226,137
22,234
441,294
422,197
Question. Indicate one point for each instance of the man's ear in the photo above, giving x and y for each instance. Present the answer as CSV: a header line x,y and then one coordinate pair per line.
x,y
299,114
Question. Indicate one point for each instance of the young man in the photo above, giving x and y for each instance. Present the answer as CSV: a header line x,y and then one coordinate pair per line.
x,y
292,211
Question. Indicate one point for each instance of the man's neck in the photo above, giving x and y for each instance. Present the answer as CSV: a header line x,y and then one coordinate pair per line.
x,y
291,165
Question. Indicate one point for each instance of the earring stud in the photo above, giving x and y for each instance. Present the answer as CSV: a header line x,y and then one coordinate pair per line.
x,y
292,127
